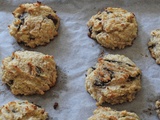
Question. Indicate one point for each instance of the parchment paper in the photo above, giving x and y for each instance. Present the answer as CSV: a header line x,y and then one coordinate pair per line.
x,y
74,52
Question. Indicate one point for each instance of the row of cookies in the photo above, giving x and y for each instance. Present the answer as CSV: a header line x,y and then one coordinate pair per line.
x,y
36,24
115,78
29,72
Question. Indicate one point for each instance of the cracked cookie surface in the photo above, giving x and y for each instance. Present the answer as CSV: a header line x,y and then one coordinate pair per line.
x,y
35,24
154,45
106,113
113,28
28,72
22,110
114,79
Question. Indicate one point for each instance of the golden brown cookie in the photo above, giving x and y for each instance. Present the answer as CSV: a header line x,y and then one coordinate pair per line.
x,y
35,24
22,110
115,79
28,72
154,45
106,113
113,28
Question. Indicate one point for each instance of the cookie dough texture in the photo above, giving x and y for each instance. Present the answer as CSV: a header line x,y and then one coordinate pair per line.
x,y
154,45
106,113
28,72
22,110
157,104
114,79
113,28
35,24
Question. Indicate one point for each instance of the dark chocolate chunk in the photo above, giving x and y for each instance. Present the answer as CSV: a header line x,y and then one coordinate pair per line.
x,y
123,86
119,62
97,32
12,58
22,17
38,70
93,68
130,78
101,83
90,31
108,12
38,106
31,37
55,21
14,111
152,46
110,72
98,18
38,2
10,82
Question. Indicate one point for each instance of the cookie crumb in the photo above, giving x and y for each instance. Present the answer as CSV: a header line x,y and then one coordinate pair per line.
x,y
55,105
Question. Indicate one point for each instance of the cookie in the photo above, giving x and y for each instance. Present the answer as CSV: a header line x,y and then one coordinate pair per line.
x,y
157,104
22,110
154,45
113,28
106,113
35,24
114,79
28,72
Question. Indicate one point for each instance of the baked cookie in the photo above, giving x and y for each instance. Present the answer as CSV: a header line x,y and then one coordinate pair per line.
x,y
106,113
28,72
157,104
35,24
113,28
22,110
154,45
115,79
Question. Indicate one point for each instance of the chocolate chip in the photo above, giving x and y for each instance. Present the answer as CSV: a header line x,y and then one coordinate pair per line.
x,y
22,17
54,11
38,2
31,37
97,32
108,12
10,82
101,83
98,18
152,46
55,21
93,68
123,86
90,31
38,70
14,111
12,58
119,62
111,73
38,106
130,78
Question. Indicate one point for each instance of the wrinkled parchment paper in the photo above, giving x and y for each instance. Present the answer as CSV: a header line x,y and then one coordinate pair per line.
x,y
74,52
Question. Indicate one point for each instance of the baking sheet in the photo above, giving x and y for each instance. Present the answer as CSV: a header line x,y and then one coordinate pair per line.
x,y
75,52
